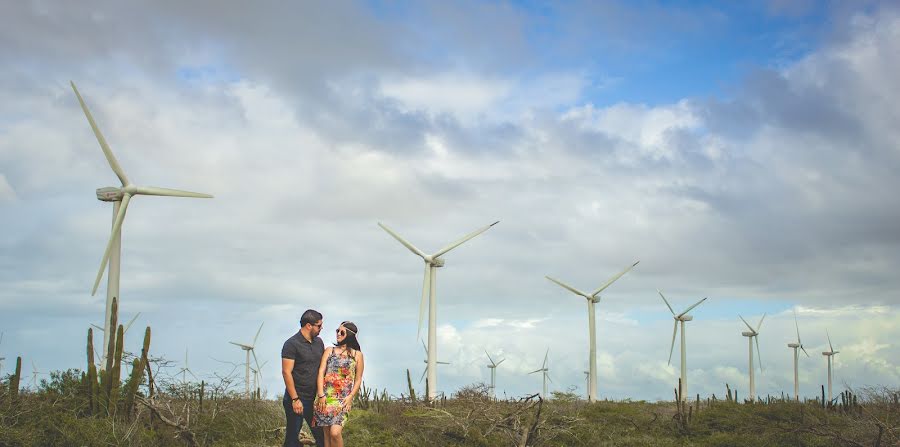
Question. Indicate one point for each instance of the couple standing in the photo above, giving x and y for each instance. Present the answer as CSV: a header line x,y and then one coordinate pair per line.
x,y
320,383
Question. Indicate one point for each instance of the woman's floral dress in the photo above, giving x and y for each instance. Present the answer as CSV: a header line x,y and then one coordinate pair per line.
x,y
340,374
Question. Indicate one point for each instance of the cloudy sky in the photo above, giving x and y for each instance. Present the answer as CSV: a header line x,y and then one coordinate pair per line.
x,y
745,152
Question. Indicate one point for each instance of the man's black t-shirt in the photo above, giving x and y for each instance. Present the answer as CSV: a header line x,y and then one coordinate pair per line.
x,y
307,357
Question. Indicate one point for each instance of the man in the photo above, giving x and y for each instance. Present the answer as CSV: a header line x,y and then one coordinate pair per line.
x,y
300,359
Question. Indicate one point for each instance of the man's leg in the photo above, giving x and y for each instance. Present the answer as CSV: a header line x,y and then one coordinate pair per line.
x,y
308,411
292,423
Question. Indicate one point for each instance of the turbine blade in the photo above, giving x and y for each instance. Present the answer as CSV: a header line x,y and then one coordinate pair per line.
x,y
424,348
442,363
693,306
568,287
797,325
426,290
257,334
545,357
253,351
423,375
97,327
748,324
498,363
155,191
537,370
758,355
405,243
613,279
463,239
664,300
130,322
804,351
672,349
113,163
489,357
830,348
548,378
117,227
241,345
760,322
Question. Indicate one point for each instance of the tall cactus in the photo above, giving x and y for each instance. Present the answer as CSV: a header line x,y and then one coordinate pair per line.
x,y
115,374
14,380
137,375
93,388
106,373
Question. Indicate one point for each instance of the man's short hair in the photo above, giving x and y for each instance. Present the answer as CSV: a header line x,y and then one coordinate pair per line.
x,y
310,317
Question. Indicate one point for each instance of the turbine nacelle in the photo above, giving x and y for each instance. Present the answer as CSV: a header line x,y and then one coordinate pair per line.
x,y
684,318
110,194
749,334
793,345
434,262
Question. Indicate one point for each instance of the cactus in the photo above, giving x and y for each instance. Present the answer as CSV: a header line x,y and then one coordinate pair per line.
x,y
412,391
92,388
131,386
111,348
202,388
116,373
14,380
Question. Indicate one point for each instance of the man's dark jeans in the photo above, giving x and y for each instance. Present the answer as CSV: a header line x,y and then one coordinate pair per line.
x,y
294,422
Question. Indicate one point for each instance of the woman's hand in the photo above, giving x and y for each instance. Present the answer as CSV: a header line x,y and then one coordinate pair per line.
x,y
320,404
347,403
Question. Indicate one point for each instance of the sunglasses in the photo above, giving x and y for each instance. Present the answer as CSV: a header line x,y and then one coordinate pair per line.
x,y
340,332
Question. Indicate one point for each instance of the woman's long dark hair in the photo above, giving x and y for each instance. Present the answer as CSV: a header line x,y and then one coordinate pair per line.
x,y
350,340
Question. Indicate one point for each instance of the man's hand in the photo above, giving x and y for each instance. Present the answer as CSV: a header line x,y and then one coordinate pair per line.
x,y
297,406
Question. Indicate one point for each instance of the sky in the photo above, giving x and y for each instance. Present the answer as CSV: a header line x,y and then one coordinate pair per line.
x,y
741,151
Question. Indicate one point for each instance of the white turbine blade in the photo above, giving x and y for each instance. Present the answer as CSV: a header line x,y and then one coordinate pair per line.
x,y
424,348
672,349
113,163
97,327
241,345
760,322
568,287
489,357
192,374
253,351
426,289
830,348
155,191
545,357
405,243
117,227
257,334
537,370
442,363
748,324
127,326
463,239
423,375
548,378
693,306
613,279
758,355
804,351
797,325
664,300
498,363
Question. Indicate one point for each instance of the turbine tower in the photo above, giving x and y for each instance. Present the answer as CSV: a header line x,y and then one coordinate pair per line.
x,y
794,346
1,358
829,355
493,367
545,369
120,196
680,318
251,348
751,335
432,262
592,298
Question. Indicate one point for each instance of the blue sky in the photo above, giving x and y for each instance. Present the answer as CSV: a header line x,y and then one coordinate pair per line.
x,y
744,151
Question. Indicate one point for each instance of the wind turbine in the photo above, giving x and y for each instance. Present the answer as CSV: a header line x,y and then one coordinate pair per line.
x,y
120,196
256,373
249,349
829,355
545,369
186,369
1,358
34,375
127,326
751,335
493,367
432,262
592,299
680,318
794,346
425,361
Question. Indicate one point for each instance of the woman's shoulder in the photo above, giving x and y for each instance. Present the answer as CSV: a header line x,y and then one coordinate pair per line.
x,y
328,350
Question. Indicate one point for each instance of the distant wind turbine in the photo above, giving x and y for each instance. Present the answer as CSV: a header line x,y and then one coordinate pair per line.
x,y
432,262
830,356
545,370
493,367
34,375
751,335
681,318
186,369
425,361
592,298
794,346
249,349
120,196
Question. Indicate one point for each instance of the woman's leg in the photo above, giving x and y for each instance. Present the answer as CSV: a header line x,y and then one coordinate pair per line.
x,y
326,435
337,438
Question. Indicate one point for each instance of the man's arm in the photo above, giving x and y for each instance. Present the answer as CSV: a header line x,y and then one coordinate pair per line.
x,y
287,365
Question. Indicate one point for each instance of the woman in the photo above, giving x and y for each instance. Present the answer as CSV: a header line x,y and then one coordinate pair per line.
x,y
340,375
